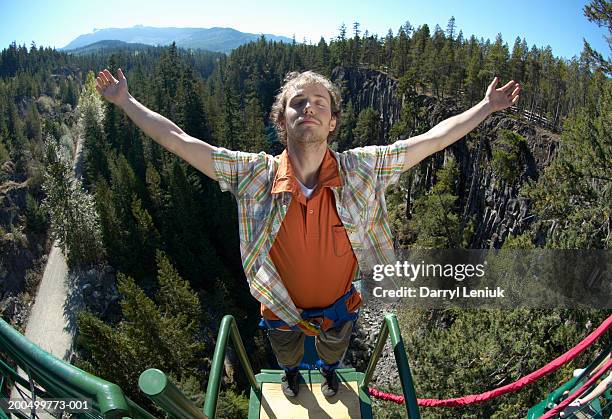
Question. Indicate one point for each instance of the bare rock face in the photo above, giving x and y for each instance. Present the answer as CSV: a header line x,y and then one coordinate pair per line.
x,y
95,290
12,201
15,310
370,88
496,206
18,251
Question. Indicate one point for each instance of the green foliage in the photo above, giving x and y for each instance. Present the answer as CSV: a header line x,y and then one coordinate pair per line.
x,y
435,220
162,334
4,154
175,295
232,405
33,127
367,130
457,352
509,156
413,116
255,135
574,193
36,219
347,128
600,12
72,214
522,241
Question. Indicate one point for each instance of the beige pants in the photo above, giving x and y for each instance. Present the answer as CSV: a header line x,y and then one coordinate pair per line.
x,y
288,346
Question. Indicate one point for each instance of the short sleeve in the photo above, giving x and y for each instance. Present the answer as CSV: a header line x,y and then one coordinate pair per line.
x,y
385,162
239,172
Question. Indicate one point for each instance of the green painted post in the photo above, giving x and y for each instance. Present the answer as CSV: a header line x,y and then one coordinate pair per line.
x,y
242,355
410,398
228,328
380,344
391,327
165,394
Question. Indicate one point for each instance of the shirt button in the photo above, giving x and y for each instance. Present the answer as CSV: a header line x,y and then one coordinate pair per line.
x,y
310,211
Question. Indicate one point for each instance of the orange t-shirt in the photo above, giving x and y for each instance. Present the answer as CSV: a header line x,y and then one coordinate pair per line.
x,y
312,252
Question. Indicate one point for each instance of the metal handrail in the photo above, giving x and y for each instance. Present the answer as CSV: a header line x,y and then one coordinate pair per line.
x,y
156,385
390,326
60,379
228,328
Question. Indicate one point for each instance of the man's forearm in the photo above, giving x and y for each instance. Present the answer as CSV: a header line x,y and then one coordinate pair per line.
x,y
458,126
156,126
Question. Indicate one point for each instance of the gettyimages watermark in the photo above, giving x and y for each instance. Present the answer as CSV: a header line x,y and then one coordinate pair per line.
x,y
540,278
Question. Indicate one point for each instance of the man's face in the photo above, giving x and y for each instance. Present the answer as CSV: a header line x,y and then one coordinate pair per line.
x,y
308,117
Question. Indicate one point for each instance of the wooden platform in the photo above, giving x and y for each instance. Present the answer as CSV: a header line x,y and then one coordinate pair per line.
x,y
349,402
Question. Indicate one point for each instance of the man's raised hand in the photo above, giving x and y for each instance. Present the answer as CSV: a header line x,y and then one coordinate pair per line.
x,y
503,97
112,89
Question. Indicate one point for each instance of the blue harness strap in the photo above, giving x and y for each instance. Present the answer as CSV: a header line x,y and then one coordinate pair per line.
x,y
337,313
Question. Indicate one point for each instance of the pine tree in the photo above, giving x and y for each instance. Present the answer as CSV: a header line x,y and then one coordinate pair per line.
x,y
33,127
356,44
450,28
579,173
175,297
400,53
96,149
600,12
348,122
322,60
149,337
388,48
254,133
473,74
191,117
74,220
143,234
435,219
367,130
509,156
497,59
517,60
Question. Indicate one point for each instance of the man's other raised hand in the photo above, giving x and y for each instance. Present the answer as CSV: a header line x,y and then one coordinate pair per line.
x,y
110,88
504,97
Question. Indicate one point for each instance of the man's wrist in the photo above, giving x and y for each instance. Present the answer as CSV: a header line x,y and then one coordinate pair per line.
x,y
121,102
487,106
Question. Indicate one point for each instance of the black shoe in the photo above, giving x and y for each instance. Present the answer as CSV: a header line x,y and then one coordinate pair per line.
x,y
329,388
290,383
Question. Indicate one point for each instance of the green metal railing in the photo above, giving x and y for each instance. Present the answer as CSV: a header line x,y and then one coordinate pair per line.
x,y
227,329
156,385
59,379
62,380
390,326
570,386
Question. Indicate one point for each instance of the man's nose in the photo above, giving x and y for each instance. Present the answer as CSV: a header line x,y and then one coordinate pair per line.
x,y
308,108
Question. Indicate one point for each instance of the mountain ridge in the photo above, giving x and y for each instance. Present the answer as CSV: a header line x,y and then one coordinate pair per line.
x,y
216,39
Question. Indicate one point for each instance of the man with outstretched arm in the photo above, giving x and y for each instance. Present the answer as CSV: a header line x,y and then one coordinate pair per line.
x,y
310,217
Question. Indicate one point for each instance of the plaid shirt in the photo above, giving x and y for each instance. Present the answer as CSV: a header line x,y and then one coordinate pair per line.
x,y
360,201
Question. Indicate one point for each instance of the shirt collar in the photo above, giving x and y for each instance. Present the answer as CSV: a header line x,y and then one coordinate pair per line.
x,y
285,181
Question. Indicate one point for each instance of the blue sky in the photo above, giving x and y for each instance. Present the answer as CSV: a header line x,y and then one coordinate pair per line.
x,y
558,23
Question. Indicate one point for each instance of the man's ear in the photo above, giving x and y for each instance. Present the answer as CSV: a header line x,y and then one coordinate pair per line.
x,y
332,124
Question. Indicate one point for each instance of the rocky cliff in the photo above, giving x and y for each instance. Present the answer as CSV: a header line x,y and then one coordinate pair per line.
x,y
494,204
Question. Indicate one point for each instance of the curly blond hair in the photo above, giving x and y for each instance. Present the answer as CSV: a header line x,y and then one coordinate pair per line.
x,y
294,80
